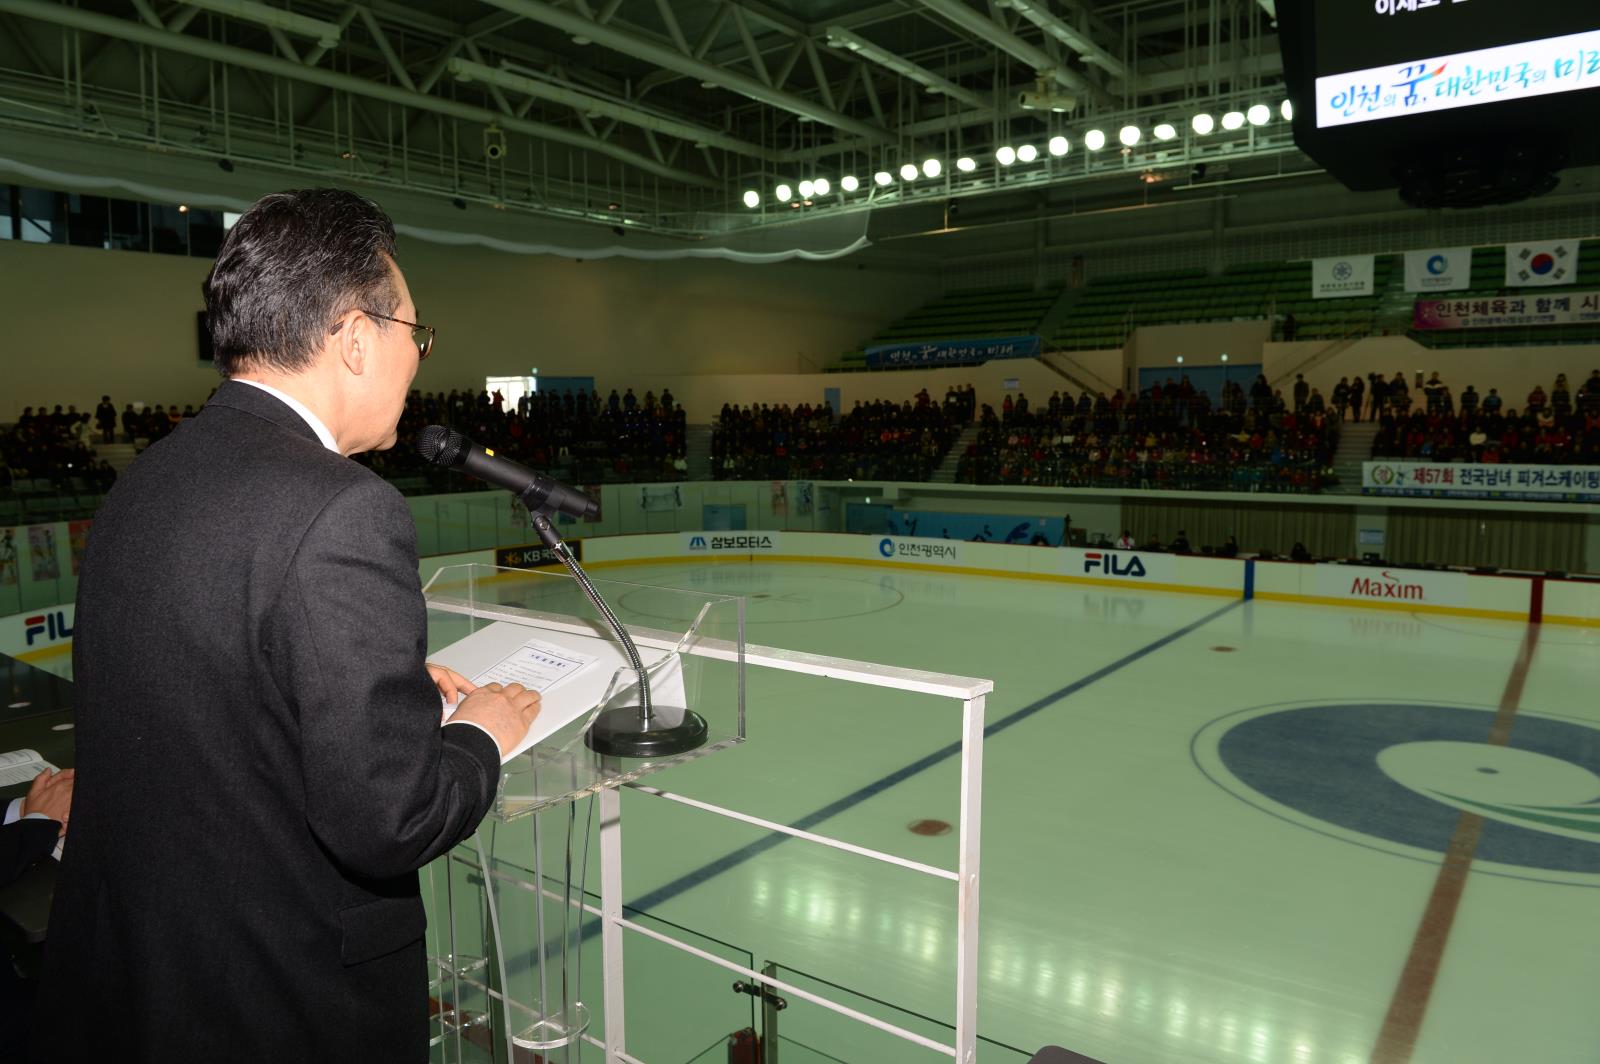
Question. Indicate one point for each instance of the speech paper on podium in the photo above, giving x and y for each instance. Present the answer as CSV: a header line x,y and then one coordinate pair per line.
x,y
571,672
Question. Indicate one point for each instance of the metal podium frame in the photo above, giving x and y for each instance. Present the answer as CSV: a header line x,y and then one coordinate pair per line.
x,y
972,693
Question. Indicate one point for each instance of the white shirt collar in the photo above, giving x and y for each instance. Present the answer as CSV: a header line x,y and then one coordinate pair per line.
x,y
299,408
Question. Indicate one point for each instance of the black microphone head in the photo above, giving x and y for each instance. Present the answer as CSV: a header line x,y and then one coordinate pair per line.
x,y
441,446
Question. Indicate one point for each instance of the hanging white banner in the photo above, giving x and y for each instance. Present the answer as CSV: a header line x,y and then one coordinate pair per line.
x,y
1342,277
1438,269
1548,262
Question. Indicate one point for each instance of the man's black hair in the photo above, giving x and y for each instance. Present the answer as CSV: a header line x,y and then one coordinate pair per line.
x,y
288,269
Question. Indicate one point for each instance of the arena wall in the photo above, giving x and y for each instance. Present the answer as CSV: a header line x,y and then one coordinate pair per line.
x,y
122,323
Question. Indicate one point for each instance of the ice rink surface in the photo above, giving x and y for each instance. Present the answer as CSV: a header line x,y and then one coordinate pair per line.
x,y
1213,831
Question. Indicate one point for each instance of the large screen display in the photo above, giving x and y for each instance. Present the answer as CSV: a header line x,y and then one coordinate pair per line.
x,y
1439,82
1455,102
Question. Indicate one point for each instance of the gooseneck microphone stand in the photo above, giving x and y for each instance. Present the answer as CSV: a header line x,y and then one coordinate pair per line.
x,y
624,730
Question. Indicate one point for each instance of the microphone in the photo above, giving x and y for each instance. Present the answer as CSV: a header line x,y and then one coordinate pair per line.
x,y
446,447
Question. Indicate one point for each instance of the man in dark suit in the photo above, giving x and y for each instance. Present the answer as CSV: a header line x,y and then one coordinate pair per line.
x,y
34,826
35,823
260,764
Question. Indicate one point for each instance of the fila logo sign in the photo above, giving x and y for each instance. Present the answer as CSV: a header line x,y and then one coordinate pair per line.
x,y
52,626
1112,564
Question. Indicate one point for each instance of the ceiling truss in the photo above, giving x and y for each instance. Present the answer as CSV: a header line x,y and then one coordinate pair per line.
x,y
664,109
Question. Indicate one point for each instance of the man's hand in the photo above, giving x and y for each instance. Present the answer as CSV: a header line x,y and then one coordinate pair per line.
x,y
451,684
51,795
506,712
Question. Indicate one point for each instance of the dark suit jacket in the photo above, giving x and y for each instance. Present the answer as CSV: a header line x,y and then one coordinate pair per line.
x,y
260,764
23,843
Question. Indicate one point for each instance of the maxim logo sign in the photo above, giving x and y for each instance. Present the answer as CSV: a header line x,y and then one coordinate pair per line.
x,y
1387,586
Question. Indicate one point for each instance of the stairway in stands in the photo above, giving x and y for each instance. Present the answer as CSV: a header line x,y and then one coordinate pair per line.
x,y
698,442
1355,447
946,473
119,455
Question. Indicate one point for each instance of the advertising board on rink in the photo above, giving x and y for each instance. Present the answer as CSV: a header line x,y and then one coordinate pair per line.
x,y
1474,480
929,551
732,542
1126,566
1417,587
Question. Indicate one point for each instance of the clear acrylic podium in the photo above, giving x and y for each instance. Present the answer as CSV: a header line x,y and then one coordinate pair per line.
x,y
507,906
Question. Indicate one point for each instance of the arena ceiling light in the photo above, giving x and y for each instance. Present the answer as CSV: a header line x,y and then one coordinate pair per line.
x,y
1233,120
1259,114
839,37
752,199
849,183
1202,124
1094,140
1286,109
1058,145
821,186
1165,131
806,189
1005,155
1128,135
1027,153
908,172
784,193
884,178
932,168
966,164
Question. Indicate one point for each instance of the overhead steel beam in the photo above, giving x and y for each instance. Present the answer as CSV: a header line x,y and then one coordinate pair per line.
x,y
105,25
1091,52
325,33
396,67
987,29
589,104
669,58
839,37
1156,75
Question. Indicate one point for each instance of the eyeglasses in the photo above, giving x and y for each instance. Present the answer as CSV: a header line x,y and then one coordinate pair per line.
x,y
421,335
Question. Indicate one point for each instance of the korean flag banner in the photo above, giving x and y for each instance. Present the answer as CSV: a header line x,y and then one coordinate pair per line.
x,y
1550,262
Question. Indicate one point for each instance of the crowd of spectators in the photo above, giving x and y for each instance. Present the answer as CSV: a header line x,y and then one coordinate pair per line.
x,y
1561,426
1168,435
576,436
879,440
54,449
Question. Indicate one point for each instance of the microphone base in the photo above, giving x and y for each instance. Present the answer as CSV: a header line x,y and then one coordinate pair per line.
x,y
620,732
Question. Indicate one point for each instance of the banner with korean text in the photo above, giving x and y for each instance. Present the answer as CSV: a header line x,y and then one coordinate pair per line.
x,y
1342,277
1502,312
953,352
1470,480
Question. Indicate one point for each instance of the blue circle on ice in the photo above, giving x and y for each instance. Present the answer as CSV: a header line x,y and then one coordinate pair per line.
x,y
1399,776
